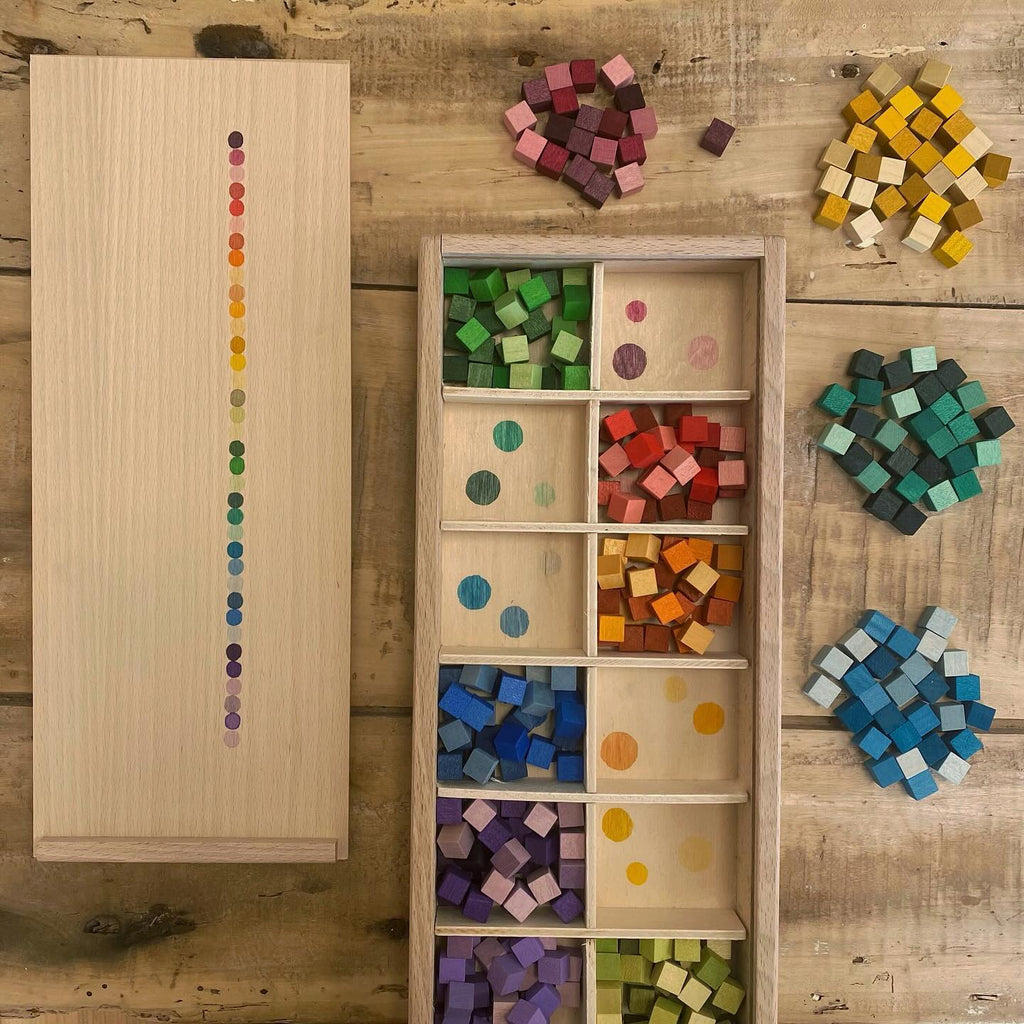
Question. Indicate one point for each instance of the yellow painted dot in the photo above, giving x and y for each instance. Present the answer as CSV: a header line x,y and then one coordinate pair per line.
x,y
695,853
708,718
675,689
618,750
616,824
237,414
236,309
238,361
236,275
636,872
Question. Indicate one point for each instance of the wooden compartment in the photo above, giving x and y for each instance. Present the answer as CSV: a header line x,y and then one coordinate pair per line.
x,y
701,790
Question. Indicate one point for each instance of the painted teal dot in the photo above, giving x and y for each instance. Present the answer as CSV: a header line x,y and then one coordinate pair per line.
x,y
474,592
544,494
234,617
236,448
235,566
508,435
514,621
483,487
234,549
235,516
237,466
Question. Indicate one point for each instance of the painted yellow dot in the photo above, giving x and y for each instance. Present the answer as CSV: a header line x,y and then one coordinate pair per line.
x,y
636,872
238,361
708,718
675,689
237,414
618,750
695,853
616,824
236,309
236,275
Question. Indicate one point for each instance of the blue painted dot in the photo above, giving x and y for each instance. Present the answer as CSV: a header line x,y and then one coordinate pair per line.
x,y
234,617
234,599
474,592
234,549
514,621
235,567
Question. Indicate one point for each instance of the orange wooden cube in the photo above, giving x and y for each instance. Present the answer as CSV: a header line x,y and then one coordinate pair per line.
x,y
730,557
697,637
704,549
611,629
728,588
678,556
668,608
720,612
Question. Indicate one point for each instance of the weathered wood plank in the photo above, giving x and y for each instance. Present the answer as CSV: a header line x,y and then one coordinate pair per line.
x,y
442,161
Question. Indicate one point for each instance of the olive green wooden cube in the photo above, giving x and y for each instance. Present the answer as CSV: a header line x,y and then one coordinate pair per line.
x,y
729,997
510,311
566,347
480,375
515,279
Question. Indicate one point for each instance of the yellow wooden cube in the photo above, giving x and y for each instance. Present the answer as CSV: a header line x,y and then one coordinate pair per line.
x,y
994,168
613,545
861,108
946,102
861,138
953,249
696,636
611,571
642,582
832,212
914,189
643,547
866,165
904,144
955,129
889,123
888,202
934,207
884,81
906,101
964,216
958,160
837,154
611,629
926,123
924,158
702,577
932,77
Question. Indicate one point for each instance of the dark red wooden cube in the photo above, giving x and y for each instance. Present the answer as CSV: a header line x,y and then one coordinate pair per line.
x,y
613,123
632,150
552,161
558,128
630,97
564,101
584,75
717,137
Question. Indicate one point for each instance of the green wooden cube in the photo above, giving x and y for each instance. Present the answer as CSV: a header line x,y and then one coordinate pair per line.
x,y
942,442
575,275
536,325
566,347
635,969
515,349
609,997
631,946
695,993
946,407
868,392
551,379
499,377
665,1011
723,947
836,400
911,487
988,453
901,404
455,369
451,329
483,353
712,969
606,945
456,281
534,293
872,478
656,950
515,278
576,378
963,428
575,301
971,394
924,424
967,485
609,967
551,280
705,1016
921,359
729,997
486,284
510,311
667,977
525,377
835,438
889,435
485,314
559,324
472,334
686,951
961,459
461,308
480,375
640,1001
940,496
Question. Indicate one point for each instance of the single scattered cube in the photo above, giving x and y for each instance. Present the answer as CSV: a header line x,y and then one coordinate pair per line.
x,y
953,249
628,179
579,172
822,690
994,168
932,77
900,462
903,145
717,136
535,91
518,118
617,73
911,487
915,189
979,716
953,768
905,101
534,293
575,301
883,81
883,505
964,216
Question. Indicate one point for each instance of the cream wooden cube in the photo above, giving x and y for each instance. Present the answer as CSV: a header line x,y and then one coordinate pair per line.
x,y
837,154
892,171
863,228
968,186
861,193
939,178
884,81
977,143
834,182
932,77
922,234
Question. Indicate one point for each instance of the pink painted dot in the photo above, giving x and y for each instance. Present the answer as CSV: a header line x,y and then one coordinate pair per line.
x,y
234,686
237,174
232,739
636,311
629,361
236,157
703,352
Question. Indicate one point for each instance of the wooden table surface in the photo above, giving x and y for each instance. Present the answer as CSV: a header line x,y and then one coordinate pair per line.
x,y
890,910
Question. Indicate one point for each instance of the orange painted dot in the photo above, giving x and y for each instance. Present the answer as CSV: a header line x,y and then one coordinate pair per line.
x,y
616,824
236,310
618,750
675,689
237,362
236,190
708,718
695,853
237,344
235,240
235,257
636,872
236,293
236,207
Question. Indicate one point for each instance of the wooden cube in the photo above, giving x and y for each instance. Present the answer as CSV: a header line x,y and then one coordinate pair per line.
x,y
642,582
963,216
617,73
702,577
728,588
934,207
643,547
626,508
611,629
678,556
832,212
729,557
668,608
558,76
977,143
924,158
953,249
719,612
643,122
611,571
603,152
833,182
925,123
862,108
717,136
883,81
905,101
888,202
628,179
583,74
864,227
609,602
932,77
529,148
955,129
968,186
613,545
891,171
695,636
914,190
994,168
518,118
836,154
904,144
861,138
939,179
889,123
639,607
866,165
958,160
946,102
732,473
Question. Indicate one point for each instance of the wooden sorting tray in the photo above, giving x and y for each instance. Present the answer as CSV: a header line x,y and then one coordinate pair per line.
x,y
724,787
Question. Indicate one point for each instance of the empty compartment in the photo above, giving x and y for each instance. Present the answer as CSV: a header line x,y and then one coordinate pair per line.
x,y
514,463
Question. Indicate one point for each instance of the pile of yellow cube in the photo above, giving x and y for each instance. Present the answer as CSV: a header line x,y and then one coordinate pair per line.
x,y
909,148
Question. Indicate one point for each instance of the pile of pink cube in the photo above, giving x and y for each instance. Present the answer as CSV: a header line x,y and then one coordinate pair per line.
x,y
512,854
580,143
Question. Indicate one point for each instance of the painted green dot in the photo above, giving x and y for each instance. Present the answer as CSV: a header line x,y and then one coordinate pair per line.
x,y
508,435
544,494
236,448
237,466
234,533
235,516
483,487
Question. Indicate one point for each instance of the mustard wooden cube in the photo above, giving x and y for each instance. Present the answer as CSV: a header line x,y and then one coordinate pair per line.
x,y
946,102
926,123
939,178
968,186
994,168
891,171
888,202
884,81
914,190
642,582
613,545
903,144
934,207
643,547
702,577
905,100
837,154
889,123
861,193
861,108
955,129
834,182
922,234
924,158
932,77
958,160
953,249
861,138
977,143
611,571
964,216
863,228
832,212
866,165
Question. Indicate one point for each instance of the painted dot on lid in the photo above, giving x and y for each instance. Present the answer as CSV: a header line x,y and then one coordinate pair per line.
x,y
483,487
237,344
236,448
703,352
236,293
235,500
234,632
235,567
234,599
233,669
616,824
238,396
236,257
636,872
708,718
636,311
233,617
619,750
675,689
508,435
236,190
629,361
237,361
514,621
237,466
232,739
235,140
695,853
236,310
235,516
234,533
236,241
552,563
236,157
235,549
237,174
543,495
237,415
232,703
236,224
233,651
236,207
233,686
232,721
474,592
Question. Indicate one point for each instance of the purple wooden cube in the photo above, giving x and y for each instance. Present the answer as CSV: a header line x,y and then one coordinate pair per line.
x,y
572,874
568,906
537,94
482,990
553,967
495,834
517,826
487,950
449,810
459,996
505,974
589,118
717,136
453,886
461,946
456,1017
526,1013
512,857
450,968
569,815
513,808
527,950
579,172
543,850
544,997
598,189
477,906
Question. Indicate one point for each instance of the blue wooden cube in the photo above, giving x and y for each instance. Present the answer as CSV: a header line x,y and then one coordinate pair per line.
x,y
570,721
858,679
874,698
889,718
876,625
965,744
455,701
563,677
480,766
513,771
952,717
979,716
529,722
448,674
511,689
880,662
932,688
922,717
905,737
512,741
485,739
872,741
449,767
541,752
901,690
921,785
455,735
538,699
478,714
569,767
902,642
853,714
885,771
967,687
537,674
479,677
916,667
933,749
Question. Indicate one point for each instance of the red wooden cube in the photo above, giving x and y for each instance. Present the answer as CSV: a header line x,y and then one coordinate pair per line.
x,y
565,101
617,73
583,74
552,161
719,612
609,601
704,486
671,507
693,429
733,439
529,147
633,639
644,450
613,123
699,510
643,122
681,464
732,474
632,150
639,608
657,481
603,153
657,638
644,418
714,435
617,425
605,490
626,508
667,437
613,460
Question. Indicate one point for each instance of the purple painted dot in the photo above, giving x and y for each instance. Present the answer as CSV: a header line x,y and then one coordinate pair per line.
x,y
234,669
703,353
234,686
636,310
232,721
232,703
232,739
629,361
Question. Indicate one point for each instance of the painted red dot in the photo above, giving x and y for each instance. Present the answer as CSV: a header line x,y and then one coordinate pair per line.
x,y
236,207
236,190
703,353
636,310
236,157
235,241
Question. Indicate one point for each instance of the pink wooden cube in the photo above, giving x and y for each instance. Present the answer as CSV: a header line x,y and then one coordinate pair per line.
x,y
732,473
520,904
626,508
549,942
629,179
572,874
734,439
644,122
681,464
540,818
575,966
559,76
496,886
571,815
603,153
479,813
667,437
487,950
501,1008
543,886
518,118
614,460
511,858
605,490
657,482
572,845
570,995
455,841
617,73
529,148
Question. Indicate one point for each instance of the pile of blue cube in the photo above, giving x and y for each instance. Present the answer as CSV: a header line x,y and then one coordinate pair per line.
x,y
910,700
504,724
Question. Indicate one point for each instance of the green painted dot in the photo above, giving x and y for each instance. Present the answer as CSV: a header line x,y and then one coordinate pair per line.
x,y
234,516
236,448
544,494
234,533
237,466
483,487
508,435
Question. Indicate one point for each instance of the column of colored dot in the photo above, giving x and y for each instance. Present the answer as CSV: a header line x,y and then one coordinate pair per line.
x,y
236,444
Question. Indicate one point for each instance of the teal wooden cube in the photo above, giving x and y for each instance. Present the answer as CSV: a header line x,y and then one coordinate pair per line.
x,y
940,496
472,334
867,392
515,279
480,375
924,424
509,310
515,349
967,485
963,428
486,284
941,443
575,275
901,404
971,395
961,459
525,376
872,477
575,301
500,377
889,434
576,378
551,280
921,359
456,281
455,369
536,325
835,438
988,453
534,293
836,400
566,347
911,487
946,407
